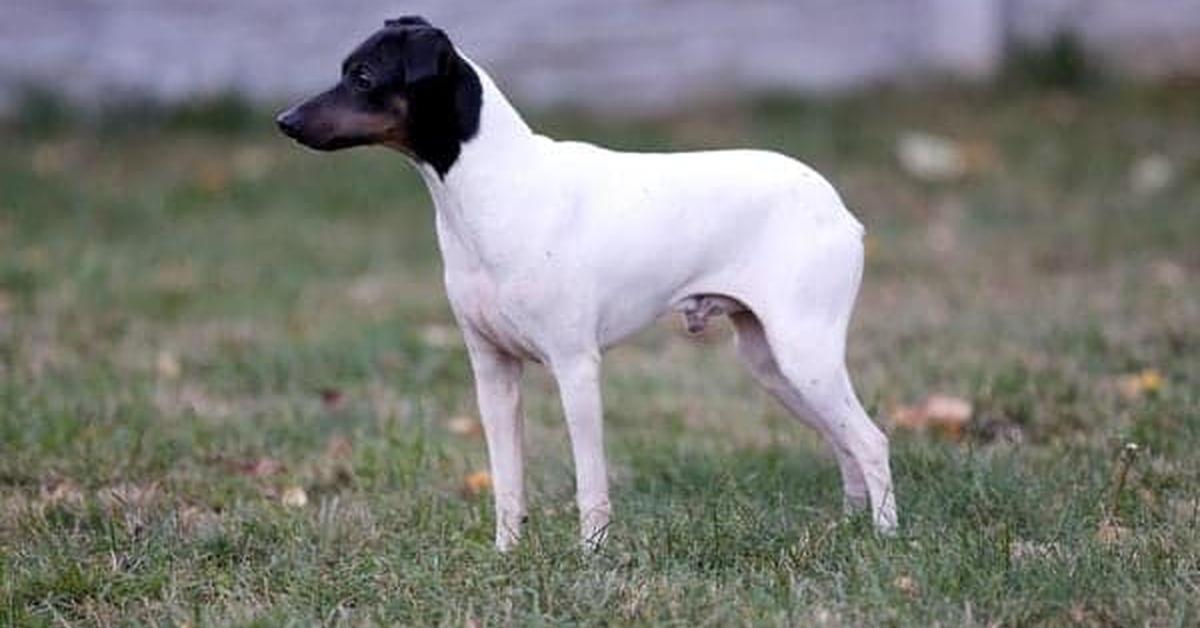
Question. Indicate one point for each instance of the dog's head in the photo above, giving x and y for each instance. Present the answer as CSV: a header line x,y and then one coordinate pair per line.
x,y
405,87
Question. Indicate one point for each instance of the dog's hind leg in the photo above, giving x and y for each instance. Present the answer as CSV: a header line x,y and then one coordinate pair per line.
x,y
756,353
498,390
810,354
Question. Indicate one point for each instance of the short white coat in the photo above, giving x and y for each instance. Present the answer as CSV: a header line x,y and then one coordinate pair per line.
x,y
554,251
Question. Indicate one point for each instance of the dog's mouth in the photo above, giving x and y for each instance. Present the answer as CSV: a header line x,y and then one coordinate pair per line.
x,y
332,143
325,135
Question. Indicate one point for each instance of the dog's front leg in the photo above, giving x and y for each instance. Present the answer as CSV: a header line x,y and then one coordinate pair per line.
x,y
498,390
579,386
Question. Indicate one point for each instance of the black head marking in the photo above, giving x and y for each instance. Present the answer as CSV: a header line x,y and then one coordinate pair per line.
x,y
405,87
443,92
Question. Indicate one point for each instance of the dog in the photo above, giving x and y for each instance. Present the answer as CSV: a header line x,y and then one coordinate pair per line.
x,y
554,251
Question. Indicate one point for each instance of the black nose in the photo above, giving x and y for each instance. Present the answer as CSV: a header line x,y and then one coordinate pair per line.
x,y
289,123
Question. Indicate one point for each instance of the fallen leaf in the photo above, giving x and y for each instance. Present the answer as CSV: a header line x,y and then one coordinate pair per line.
x,y
477,482
1110,532
167,365
179,276
1169,274
907,586
930,157
294,497
979,156
61,492
194,520
943,414
259,467
464,426
441,336
870,246
1151,173
332,398
1078,613
212,176
1137,385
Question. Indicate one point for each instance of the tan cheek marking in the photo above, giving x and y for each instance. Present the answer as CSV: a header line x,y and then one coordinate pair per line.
x,y
396,136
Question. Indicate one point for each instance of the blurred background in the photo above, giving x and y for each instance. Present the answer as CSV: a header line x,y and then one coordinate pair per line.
x,y
623,55
231,389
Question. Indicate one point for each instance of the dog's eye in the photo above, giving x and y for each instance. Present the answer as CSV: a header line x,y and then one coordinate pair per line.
x,y
361,79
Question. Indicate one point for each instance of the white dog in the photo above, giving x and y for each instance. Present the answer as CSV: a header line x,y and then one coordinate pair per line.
x,y
555,251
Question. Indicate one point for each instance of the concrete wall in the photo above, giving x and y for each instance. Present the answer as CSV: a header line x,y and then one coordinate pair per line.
x,y
604,54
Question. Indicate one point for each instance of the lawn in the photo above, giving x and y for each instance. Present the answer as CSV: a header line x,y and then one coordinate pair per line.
x,y
231,391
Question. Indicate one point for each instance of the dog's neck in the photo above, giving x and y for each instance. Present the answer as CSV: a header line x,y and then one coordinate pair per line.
x,y
488,167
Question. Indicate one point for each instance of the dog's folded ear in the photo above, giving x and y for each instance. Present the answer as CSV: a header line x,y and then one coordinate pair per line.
x,y
429,55
408,20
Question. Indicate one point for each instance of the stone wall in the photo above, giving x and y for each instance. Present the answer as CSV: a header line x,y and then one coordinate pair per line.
x,y
603,54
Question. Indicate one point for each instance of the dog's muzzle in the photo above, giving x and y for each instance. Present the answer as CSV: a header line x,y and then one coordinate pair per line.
x,y
289,123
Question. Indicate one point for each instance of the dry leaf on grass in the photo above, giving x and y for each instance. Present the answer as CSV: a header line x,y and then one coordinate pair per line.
x,y
294,497
167,365
1110,532
464,426
1079,614
212,176
1151,174
1137,385
943,414
930,157
907,585
179,276
476,483
196,520
870,246
62,492
441,336
257,468
332,398
1169,274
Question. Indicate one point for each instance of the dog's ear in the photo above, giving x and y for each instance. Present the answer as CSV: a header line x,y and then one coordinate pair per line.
x,y
428,55
407,20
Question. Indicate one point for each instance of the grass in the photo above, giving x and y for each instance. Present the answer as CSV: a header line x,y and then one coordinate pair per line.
x,y
197,318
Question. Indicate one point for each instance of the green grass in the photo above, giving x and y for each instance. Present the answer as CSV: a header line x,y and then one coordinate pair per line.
x,y
184,294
